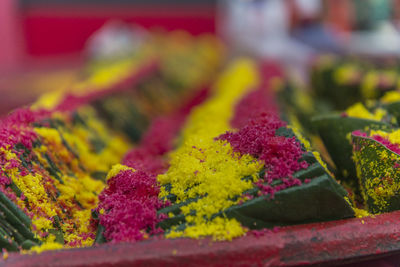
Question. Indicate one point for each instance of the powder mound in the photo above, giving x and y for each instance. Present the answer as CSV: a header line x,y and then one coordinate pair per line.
x,y
158,140
253,104
143,159
281,155
128,206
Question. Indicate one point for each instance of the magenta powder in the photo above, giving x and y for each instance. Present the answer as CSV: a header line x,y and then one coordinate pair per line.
x,y
253,104
130,200
130,203
257,121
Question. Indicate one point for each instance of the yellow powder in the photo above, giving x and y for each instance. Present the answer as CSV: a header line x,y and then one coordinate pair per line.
x,y
201,166
116,169
70,199
50,244
369,84
382,184
345,73
391,97
359,111
361,213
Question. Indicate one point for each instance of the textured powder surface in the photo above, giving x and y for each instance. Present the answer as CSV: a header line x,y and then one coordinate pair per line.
x,y
205,165
390,140
128,206
48,157
201,166
252,105
281,155
123,197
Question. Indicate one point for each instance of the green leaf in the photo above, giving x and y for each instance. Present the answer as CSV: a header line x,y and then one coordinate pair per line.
x,y
15,210
58,234
394,109
335,131
28,244
379,174
100,239
322,199
11,218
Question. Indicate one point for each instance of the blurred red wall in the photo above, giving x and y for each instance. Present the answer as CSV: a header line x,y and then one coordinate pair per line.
x,y
57,29
11,44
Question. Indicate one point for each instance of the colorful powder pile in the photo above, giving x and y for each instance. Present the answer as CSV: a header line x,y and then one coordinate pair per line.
x,y
231,149
155,152
52,171
55,156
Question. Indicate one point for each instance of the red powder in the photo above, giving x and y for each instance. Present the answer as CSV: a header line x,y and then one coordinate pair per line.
x,y
130,202
281,155
15,129
257,121
252,105
158,140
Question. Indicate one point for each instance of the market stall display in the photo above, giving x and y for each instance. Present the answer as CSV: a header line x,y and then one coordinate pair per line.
x,y
176,142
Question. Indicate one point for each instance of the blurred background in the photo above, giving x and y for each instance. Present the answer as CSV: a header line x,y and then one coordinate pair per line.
x,y
37,30
56,36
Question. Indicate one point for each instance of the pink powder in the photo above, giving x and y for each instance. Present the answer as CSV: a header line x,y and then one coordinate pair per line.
x,y
253,104
281,155
159,138
16,129
256,136
130,202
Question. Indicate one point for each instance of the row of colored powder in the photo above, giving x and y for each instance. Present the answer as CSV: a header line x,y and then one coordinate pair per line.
x,y
207,168
147,159
132,188
67,192
168,53
213,163
212,170
257,122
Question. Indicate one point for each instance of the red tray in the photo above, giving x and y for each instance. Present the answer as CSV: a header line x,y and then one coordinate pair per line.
x,y
335,242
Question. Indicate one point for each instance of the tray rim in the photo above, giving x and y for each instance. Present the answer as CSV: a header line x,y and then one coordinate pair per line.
x,y
333,242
